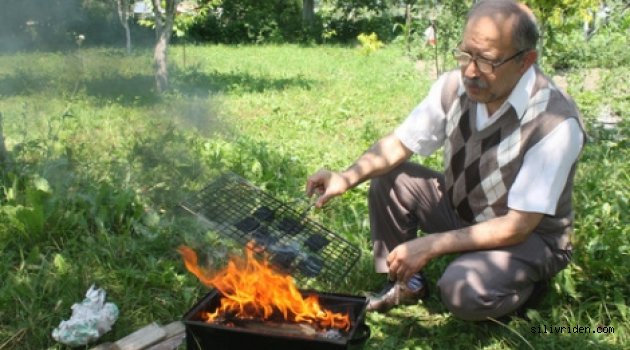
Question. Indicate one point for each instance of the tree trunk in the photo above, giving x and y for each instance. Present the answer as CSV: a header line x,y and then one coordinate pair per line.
x,y
123,16
4,156
543,33
127,37
161,65
408,28
308,11
435,48
163,31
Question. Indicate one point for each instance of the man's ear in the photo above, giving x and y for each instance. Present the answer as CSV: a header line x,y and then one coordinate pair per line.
x,y
529,58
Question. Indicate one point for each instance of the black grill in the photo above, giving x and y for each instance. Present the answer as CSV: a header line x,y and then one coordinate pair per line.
x,y
201,335
295,244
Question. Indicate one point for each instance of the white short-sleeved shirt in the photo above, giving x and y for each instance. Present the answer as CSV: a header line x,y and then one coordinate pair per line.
x,y
546,165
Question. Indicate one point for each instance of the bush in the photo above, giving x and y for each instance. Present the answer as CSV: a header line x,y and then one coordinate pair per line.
x,y
347,24
606,49
249,21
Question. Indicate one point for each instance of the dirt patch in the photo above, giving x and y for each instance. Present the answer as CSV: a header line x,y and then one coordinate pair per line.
x,y
561,81
427,67
589,80
592,79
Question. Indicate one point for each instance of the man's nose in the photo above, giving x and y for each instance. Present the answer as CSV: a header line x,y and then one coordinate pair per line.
x,y
471,70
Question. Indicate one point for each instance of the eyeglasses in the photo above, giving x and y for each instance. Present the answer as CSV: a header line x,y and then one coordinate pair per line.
x,y
484,65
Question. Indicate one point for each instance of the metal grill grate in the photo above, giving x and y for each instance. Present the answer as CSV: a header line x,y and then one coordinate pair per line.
x,y
295,244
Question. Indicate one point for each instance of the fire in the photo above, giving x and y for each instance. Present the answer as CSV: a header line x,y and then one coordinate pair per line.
x,y
252,289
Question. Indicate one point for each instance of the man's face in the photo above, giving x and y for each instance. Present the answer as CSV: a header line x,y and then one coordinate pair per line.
x,y
490,38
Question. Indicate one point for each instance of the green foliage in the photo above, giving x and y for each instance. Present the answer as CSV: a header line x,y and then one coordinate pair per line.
x,y
556,13
249,21
350,18
369,43
604,47
100,163
448,19
565,42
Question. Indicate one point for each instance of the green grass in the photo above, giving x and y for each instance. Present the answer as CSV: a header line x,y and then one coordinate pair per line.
x,y
101,162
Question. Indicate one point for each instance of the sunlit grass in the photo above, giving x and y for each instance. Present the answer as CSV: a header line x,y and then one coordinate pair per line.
x,y
117,159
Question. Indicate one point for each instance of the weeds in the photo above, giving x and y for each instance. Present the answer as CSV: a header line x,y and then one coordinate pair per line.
x,y
98,164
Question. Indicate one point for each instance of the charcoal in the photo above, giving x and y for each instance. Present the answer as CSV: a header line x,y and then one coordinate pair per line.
x,y
290,226
312,266
247,225
284,259
316,242
263,238
264,213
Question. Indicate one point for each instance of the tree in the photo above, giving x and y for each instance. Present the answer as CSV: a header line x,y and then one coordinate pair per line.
x,y
123,16
4,157
163,32
308,11
552,14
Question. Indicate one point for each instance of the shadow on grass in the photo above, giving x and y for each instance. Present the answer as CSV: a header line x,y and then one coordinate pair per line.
x,y
138,89
201,84
430,326
135,90
415,327
126,90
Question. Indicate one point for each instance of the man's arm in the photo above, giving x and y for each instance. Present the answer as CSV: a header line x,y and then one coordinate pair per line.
x,y
383,156
512,228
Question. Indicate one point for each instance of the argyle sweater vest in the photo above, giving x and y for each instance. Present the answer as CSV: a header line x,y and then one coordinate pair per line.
x,y
481,166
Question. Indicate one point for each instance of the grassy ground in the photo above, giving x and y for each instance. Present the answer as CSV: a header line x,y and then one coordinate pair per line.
x,y
101,162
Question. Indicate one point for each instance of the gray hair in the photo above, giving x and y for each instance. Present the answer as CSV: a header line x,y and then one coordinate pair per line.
x,y
525,32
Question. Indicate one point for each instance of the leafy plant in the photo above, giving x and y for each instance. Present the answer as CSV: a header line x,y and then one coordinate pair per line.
x,y
369,43
103,184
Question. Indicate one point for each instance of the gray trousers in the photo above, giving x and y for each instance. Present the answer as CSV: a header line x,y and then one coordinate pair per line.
x,y
476,285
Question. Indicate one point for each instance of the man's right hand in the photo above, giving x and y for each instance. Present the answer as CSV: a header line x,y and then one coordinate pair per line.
x,y
382,157
327,184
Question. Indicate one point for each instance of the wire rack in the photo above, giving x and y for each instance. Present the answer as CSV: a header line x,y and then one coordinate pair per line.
x,y
293,243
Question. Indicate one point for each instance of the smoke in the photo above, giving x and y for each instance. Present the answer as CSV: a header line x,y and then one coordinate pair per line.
x,y
51,25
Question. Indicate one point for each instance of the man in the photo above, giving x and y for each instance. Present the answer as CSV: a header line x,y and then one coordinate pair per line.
x,y
511,141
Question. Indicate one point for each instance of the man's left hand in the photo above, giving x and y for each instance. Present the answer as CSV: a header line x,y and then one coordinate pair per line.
x,y
408,258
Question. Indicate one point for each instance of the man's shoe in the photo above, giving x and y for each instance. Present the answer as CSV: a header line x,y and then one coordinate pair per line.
x,y
395,293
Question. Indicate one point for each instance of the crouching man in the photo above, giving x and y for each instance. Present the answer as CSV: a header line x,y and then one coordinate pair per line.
x,y
511,140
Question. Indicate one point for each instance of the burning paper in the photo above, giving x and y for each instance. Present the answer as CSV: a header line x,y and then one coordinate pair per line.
x,y
253,290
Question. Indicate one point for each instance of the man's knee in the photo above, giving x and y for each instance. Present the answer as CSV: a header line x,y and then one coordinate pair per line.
x,y
401,183
468,298
461,300
375,186
385,182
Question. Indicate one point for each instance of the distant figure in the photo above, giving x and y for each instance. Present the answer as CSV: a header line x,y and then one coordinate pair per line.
x,y
429,34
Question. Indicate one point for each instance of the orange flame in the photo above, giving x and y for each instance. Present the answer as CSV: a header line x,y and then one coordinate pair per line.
x,y
252,289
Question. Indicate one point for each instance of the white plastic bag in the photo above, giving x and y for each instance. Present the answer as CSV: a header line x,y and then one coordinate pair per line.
x,y
90,319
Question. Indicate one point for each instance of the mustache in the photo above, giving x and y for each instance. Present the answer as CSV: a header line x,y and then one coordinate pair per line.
x,y
475,83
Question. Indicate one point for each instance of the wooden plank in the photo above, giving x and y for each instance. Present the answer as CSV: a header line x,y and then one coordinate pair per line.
x,y
170,343
142,338
174,328
175,335
105,346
